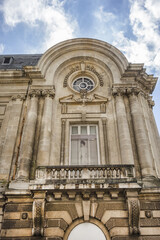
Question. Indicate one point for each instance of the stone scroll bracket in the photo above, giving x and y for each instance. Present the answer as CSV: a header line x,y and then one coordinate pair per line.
x,y
38,213
134,212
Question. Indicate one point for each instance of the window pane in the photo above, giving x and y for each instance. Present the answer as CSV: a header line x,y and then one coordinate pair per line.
x,y
84,151
74,152
93,151
83,129
93,130
74,130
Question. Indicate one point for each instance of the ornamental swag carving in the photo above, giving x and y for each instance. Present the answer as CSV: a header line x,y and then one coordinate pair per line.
x,y
38,217
134,215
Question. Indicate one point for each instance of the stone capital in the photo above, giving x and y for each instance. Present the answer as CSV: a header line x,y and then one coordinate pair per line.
x,y
34,93
48,93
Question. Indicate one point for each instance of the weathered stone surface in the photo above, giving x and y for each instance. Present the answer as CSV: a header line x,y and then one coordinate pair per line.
x,y
18,208
39,106
63,207
17,224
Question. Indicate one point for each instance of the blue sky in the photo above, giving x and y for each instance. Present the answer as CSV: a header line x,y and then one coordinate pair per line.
x,y
133,26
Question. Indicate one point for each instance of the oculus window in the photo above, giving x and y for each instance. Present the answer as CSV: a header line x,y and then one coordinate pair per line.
x,y
84,145
83,83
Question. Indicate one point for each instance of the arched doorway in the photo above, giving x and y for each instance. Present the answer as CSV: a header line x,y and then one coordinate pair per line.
x,y
85,231
93,229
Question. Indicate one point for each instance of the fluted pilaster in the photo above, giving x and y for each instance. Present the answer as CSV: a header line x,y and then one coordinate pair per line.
x,y
45,133
141,136
123,131
28,137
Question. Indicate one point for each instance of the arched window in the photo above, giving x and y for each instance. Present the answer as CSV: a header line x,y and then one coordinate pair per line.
x,y
85,231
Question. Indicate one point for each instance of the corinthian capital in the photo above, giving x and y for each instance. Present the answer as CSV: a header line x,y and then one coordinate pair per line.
x,y
119,91
48,93
34,93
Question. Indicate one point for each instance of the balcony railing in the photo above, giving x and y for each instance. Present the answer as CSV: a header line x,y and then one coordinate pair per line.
x,y
111,172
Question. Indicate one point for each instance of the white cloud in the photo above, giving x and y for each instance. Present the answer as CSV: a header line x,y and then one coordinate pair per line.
x,y
1,48
104,16
144,20
47,14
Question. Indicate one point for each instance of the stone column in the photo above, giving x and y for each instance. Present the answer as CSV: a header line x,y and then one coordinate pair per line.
x,y
123,131
155,139
27,143
45,133
62,154
141,136
104,123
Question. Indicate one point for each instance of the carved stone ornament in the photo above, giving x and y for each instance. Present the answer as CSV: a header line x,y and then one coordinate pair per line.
x,y
48,93
72,70
92,69
84,68
123,90
35,93
18,96
38,216
134,216
83,99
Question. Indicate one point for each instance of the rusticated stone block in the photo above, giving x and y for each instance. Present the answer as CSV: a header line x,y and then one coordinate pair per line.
x,y
150,222
109,206
136,238
10,224
57,223
24,238
63,207
117,222
18,208
149,205
55,238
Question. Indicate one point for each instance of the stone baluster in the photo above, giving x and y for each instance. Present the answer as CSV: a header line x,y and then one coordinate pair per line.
x,y
142,141
123,131
26,149
45,133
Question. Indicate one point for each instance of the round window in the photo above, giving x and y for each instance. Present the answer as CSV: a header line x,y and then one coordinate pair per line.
x,y
83,83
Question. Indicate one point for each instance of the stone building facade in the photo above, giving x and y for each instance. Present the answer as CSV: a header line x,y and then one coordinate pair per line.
x,y
78,143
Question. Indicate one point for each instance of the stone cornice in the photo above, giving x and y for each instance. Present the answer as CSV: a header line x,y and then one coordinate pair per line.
x,y
136,73
33,73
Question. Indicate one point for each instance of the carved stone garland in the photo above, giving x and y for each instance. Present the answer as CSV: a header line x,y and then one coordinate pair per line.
x,y
83,67
38,217
134,215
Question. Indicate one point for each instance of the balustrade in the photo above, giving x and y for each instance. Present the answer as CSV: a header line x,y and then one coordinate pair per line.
x,y
86,172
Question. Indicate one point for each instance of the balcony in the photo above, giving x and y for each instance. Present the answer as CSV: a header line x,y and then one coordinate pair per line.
x,y
83,177
107,172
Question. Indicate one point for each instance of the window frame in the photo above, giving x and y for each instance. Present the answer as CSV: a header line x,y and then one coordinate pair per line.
x,y
97,141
